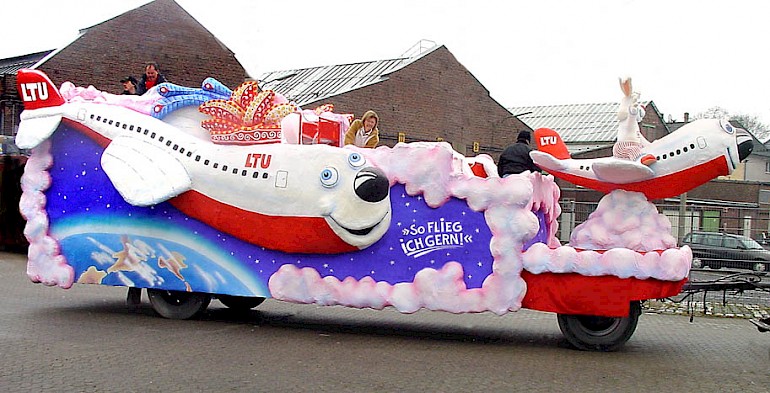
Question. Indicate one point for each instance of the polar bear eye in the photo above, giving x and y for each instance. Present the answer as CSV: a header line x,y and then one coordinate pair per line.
x,y
329,177
356,160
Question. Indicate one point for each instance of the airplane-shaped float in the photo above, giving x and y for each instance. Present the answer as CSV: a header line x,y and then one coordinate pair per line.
x,y
312,223
692,155
306,199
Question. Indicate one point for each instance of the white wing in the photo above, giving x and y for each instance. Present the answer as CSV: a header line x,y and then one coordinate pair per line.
x,y
621,171
605,169
548,162
143,173
34,130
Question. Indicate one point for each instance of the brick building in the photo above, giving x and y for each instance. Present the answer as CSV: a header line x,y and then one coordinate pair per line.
x,y
160,31
101,55
426,97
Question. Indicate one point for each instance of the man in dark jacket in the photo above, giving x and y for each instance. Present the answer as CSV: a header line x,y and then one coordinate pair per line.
x,y
151,77
515,158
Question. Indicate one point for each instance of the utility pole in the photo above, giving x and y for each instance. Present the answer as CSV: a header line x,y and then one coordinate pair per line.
x,y
682,216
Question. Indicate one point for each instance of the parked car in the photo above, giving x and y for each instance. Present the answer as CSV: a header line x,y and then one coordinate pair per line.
x,y
717,250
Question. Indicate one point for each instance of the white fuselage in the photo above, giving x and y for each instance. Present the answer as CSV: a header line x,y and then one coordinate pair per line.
x,y
275,180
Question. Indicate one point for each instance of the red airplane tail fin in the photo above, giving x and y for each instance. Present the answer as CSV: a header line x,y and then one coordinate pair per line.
x,y
549,141
37,90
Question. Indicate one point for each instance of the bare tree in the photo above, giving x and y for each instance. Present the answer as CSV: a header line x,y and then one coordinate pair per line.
x,y
715,112
754,125
750,122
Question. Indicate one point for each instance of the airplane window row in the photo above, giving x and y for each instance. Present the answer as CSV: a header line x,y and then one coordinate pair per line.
x,y
664,156
677,152
181,150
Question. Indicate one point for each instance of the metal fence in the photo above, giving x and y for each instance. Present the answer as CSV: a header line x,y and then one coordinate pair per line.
x,y
750,222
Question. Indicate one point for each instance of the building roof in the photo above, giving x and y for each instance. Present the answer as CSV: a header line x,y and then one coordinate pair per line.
x,y
308,85
12,64
576,123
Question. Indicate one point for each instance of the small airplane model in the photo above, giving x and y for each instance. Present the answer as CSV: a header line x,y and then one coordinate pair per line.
x,y
292,198
688,157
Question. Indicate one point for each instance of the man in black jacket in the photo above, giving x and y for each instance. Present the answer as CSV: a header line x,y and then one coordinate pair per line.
x,y
151,78
515,158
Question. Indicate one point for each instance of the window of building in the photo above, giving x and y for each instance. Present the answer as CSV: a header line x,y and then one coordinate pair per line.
x,y
764,196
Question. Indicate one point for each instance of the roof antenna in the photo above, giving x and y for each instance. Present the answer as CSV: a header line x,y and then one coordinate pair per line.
x,y
419,48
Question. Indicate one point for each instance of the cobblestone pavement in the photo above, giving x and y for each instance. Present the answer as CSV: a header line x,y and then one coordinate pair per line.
x,y
85,339
715,309
753,303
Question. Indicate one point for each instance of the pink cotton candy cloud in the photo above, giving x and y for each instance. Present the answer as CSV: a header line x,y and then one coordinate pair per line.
x,y
631,238
142,104
438,173
45,264
670,265
442,289
624,219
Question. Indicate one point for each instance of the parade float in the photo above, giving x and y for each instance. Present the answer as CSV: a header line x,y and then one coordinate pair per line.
x,y
240,195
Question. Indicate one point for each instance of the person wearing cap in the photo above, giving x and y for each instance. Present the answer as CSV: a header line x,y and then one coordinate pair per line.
x,y
515,158
129,85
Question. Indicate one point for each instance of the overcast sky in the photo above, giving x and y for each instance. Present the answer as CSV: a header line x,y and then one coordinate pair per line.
x,y
684,55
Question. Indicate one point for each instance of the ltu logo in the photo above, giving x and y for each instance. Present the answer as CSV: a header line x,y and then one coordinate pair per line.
x,y
254,159
34,91
547,140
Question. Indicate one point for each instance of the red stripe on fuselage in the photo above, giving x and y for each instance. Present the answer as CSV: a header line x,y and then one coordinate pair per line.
x,y
282,233
658,187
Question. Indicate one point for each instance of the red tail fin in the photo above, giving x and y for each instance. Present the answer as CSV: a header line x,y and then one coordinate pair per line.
x,y
36,90
549,141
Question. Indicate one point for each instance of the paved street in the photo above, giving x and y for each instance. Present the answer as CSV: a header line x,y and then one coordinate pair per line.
x,y
85,339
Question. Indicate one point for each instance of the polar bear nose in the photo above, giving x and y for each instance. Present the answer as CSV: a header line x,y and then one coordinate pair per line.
x,y
371,185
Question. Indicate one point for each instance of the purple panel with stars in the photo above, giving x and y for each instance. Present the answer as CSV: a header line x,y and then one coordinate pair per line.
x,y
81,195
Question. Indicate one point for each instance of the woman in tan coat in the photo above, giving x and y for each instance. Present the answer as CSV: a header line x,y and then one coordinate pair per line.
x,y
363,132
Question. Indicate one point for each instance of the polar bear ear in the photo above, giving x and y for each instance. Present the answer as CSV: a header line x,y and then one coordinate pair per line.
x,y
625,85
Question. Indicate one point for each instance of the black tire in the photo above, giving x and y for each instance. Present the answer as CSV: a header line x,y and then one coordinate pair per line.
x,y
240,303
592,333
178,304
